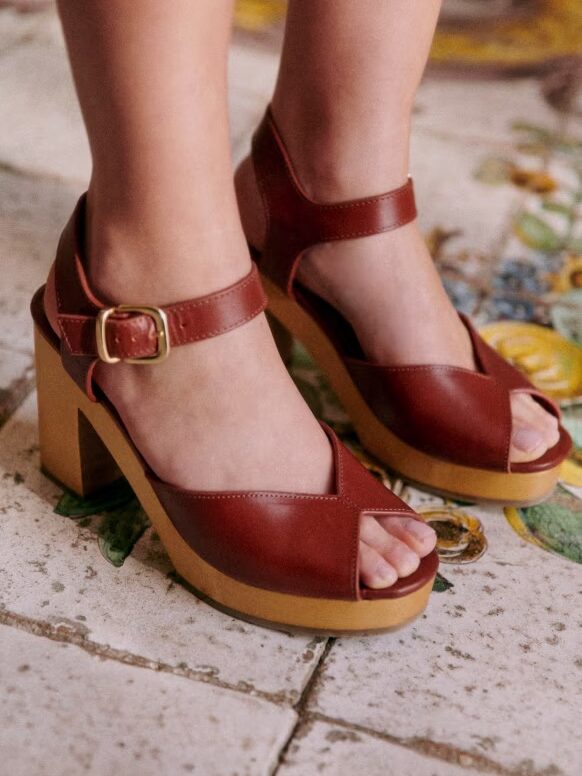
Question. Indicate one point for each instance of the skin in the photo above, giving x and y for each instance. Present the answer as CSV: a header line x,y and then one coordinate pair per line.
x,y
163,226
348,135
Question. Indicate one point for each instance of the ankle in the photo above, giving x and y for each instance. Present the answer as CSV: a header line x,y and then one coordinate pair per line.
x,y
342,157
157,256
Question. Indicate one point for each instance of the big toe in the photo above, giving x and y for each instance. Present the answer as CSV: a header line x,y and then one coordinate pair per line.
x,y
414,533
392,548
534,431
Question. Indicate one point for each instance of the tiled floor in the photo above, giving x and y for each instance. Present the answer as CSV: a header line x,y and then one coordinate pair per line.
x,y
110,669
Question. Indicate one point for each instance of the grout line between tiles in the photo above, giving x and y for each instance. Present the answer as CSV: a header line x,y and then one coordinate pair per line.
x,y
301,704
65,634
434,750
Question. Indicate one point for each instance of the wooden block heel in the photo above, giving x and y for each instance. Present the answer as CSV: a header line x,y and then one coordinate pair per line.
x,y
282,559
71,453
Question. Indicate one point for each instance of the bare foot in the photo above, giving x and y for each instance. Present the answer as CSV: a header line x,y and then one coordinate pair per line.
x,y
379,283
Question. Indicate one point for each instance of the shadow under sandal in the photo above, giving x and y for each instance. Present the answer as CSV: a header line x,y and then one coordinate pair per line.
x,y
446,428
287,559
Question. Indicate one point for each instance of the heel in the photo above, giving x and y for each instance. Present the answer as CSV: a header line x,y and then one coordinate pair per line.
x,y
283,339
70,450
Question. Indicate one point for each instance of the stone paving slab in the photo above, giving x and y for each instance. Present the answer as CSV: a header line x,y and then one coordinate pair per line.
x,y
42,130
17,28
481,110
66,712
325,748
493,669
52,572
33,213
16,376
449,197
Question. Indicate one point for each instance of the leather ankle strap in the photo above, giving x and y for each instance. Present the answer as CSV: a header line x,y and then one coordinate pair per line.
x,y
92,331
296,223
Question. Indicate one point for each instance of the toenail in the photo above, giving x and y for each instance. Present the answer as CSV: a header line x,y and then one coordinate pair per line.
x,y
409,561
386,573
527,439
419,530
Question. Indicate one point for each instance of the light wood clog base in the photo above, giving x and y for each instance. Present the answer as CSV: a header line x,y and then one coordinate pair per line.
x,y
434,474
83,447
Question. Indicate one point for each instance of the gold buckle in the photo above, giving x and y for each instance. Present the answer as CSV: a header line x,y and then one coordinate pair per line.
x,y
160,320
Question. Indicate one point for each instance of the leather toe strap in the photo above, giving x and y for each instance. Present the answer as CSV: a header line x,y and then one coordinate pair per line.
x,y
301,544
450,413
456,414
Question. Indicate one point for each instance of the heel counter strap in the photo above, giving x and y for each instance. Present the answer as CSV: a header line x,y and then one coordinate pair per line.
x,y
89,328
295,222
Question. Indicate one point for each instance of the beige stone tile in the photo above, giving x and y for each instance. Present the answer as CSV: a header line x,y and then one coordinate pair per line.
x,y
17,28
480,110
16,375
42,131
67,712
51,570
252,71
330,749
492,669
450,198
32,216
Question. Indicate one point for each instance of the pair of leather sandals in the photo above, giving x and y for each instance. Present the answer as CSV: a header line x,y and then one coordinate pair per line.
x,y
282,559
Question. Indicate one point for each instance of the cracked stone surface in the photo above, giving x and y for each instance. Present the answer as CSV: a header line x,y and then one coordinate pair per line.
x,y
63,580
67,712
331,749
493,668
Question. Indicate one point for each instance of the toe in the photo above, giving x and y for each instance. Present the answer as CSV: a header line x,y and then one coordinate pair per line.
x,y
416,534
375,571
397,553
528,440
534,429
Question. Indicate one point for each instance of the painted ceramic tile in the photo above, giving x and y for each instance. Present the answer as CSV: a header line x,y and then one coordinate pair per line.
x,y
495,658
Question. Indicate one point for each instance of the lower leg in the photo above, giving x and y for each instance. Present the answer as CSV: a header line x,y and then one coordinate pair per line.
x,y
152,87
348,136
163,227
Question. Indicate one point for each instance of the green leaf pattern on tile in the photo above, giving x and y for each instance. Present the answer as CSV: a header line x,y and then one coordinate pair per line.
x,y
557,527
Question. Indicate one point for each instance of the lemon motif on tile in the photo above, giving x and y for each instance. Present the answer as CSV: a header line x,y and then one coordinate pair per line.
x,y
569,276
551,362
460,536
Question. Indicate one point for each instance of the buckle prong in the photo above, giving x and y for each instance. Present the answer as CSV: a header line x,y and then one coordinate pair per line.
x,y
160,320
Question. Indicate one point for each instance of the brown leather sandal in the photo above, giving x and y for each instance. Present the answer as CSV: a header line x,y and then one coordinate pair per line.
x,y
443,427
287,559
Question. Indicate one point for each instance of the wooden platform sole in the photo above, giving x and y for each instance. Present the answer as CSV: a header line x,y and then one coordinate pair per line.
x,y
83,447
434,474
